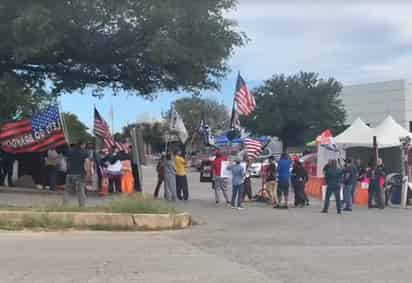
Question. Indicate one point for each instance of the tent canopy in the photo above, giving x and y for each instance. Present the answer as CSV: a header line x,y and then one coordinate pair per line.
x,y
389,132
357,135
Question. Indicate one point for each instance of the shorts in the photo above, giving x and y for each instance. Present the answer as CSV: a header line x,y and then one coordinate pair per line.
x,y
283,187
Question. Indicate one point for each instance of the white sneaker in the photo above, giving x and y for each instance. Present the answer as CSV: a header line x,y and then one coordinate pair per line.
x,y
240,208
233,207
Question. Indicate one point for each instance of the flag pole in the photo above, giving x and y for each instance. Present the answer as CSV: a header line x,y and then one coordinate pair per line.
x,y
112,117
63,123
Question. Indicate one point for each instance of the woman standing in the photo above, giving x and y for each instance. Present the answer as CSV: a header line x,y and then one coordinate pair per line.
x,y
333,179
170,177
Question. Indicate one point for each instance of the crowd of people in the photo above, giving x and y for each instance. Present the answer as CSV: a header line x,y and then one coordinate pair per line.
x,y
277,178
347,177
171,170
105,171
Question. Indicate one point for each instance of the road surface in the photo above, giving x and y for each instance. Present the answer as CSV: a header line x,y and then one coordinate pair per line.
x,y
259,244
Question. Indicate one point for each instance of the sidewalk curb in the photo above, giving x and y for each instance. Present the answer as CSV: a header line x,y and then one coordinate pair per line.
x,y
101,221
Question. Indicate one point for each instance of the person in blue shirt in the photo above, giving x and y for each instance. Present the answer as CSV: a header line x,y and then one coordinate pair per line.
x,y
284,171
238,176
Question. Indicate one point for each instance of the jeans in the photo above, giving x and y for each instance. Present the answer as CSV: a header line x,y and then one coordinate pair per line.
x,y
329,192
75,183
237,192
347,195
182,188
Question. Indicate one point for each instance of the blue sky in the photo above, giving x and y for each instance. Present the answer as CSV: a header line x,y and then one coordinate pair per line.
x,y
353,41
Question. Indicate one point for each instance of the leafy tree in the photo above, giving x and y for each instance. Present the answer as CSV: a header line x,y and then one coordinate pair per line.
x,y
194,109
153,134
76,130
296,108
141,46
18,101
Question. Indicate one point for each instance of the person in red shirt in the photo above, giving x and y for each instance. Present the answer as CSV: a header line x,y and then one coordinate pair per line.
x,y
219,182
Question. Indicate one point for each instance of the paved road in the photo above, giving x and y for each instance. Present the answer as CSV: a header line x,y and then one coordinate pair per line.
x,y
258,244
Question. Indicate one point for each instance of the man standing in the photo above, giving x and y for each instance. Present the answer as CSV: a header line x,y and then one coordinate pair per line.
x,y
160,174
270,182
349,183
238,174
333,179
284,168
376,176
75,173
181,178
219,182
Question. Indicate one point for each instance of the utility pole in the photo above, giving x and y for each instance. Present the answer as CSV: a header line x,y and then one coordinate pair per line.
x,y
405,146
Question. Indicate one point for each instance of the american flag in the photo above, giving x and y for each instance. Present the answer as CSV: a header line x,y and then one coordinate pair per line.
x,y
101,129
245,102
254,148
39,134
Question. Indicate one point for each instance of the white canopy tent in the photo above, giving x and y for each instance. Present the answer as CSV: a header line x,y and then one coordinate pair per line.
x,y
357,135
389,132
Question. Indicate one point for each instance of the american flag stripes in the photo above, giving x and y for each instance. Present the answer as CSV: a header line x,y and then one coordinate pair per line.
x,y
39,134
101,130
245,102
254,148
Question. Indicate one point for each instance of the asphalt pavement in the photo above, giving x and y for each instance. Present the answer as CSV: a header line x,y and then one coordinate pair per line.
x,y
258,244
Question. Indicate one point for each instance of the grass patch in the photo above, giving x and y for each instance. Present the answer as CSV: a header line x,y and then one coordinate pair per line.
x,y
43,220
131,204
33,222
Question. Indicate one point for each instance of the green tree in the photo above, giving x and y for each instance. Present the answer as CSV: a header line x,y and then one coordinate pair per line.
x,y
76,130
194,109
18,101
153,134
296,108
140,46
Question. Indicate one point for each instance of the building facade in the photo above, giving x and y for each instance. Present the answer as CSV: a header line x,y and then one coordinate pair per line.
x,y
375,101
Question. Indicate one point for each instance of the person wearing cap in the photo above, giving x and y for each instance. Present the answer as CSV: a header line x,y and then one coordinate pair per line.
x,y
238,175
219,182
